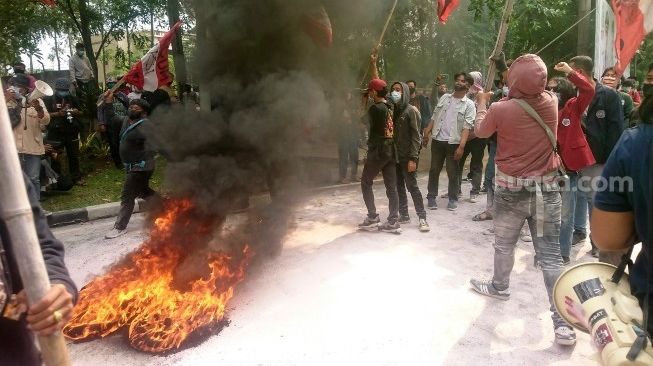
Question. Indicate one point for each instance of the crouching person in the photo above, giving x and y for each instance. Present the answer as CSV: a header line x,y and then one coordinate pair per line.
x,y
526,180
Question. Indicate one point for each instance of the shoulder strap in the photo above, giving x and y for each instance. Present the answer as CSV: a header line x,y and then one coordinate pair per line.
x,y
527,107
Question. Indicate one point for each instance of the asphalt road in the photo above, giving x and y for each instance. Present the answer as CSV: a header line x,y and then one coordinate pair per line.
x,y
336,296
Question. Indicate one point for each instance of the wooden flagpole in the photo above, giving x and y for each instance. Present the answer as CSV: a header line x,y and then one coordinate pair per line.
x,y
16,213
498,47
380,42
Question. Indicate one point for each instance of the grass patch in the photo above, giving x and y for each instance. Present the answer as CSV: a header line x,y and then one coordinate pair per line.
x,y
103,185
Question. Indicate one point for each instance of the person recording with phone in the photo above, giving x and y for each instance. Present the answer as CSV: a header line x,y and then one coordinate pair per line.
x,y
28,119
65,125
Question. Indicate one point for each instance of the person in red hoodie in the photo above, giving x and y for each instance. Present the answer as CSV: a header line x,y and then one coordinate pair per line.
x,y
526,180
572,144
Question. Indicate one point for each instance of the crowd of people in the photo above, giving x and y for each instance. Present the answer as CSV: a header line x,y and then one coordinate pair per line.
x,y
553,142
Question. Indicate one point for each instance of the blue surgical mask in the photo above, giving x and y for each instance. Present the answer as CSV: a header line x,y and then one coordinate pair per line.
x,y
395,96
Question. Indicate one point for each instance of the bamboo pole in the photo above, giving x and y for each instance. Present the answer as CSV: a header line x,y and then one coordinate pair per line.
x,y
16,213
498,47
380,42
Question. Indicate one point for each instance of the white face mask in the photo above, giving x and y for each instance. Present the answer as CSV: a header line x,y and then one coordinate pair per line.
x,y
395,96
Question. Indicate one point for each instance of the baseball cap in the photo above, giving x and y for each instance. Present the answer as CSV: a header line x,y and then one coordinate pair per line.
x,y
376,84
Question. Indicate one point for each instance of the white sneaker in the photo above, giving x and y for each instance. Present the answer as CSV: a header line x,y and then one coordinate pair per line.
x,y
473,198
565,335
114,233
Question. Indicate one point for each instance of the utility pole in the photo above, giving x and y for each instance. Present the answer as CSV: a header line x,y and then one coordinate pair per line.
x,y
584,47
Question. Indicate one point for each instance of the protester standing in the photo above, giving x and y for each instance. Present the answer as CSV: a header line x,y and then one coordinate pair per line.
x,y
137,156
449,128
408,140
381,156
623,213
47,316
29,120
604,123
574,150
82,78
475,147
527,172
421,102
65,126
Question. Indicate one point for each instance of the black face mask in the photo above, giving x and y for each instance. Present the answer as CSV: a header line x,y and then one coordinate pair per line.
x,y
19,71
134,115
647,90
412,91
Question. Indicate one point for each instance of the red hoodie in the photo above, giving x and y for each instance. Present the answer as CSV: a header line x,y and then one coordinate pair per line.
x,y
523,147
575,152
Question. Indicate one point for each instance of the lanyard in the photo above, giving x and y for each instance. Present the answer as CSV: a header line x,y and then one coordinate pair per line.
x,y
130,128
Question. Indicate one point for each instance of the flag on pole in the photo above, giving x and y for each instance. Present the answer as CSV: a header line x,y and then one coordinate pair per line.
x,y
151,72
445,8
634,20
317,25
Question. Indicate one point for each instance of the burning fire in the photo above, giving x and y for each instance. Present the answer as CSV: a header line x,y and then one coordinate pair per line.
x,y
140,292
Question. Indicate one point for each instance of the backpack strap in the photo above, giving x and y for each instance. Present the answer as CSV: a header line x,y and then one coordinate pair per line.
x,y
552,137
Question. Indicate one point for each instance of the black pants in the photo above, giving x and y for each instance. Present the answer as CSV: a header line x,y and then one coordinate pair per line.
x,y
72,153
441,152
136,186
112,136
348,156
406,180
380,158
476,148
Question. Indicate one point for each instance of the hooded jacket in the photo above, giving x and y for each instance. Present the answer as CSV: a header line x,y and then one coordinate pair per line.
x,y
523,148
574,149
604,122
407,127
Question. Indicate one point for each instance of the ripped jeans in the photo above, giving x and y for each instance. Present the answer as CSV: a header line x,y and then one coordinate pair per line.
x,y
511,208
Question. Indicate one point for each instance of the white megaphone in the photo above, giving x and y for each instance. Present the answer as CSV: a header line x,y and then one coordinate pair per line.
x,y
42,89
587,298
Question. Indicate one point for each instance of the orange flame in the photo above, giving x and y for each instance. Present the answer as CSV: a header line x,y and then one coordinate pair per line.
x,y
139,291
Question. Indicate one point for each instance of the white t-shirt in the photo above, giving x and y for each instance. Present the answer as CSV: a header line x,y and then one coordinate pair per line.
x,y
449,120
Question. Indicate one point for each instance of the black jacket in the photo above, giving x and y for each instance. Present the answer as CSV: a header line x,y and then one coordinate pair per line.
x,y
136,150
407,128
16,341
604,122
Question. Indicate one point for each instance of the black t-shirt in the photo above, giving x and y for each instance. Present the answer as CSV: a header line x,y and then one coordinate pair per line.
x,y
378,113
62,127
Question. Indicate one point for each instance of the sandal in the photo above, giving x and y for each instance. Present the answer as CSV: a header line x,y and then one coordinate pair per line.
x,y
483,216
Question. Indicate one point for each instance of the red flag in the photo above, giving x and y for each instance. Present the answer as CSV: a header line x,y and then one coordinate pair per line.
x,y
634,20
445,8
50,3
151,72
317,26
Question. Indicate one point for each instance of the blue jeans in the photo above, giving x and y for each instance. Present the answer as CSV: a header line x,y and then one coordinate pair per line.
x,y
31,165
512,208
569,215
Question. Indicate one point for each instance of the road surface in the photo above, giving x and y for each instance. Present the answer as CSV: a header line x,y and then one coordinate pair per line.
x,y
336,296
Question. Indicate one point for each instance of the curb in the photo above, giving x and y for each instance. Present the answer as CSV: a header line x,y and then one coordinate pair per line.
x,y
91,213
106,210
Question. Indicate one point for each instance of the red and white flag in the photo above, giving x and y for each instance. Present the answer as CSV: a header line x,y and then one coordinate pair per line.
x,y
317,25
634,20
445,8
151,72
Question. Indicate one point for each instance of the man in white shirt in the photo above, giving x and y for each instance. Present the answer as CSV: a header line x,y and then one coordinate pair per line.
x,y
452,120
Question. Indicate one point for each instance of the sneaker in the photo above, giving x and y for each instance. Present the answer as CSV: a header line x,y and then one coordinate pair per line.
x,y
404,219
114,233
370,223
452,205
565,260
526,236
432,205
565,335
595,252
389,227
485,287
424,226
483,190
473,198
578,238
